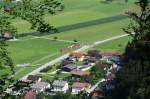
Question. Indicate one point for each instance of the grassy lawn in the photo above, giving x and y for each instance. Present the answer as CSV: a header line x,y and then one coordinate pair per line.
x,y
40,51
78,11
60,76
93,33
115,45
31,50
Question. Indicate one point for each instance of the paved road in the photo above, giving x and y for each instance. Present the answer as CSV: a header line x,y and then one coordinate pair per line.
x,y
51,63
80,25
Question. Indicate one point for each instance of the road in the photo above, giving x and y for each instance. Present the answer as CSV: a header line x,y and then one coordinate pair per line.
x,y
85,47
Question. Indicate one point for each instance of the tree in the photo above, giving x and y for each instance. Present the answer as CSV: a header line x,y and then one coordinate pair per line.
x,y
29,10
55,38
5,60
134,77
75,41
34,12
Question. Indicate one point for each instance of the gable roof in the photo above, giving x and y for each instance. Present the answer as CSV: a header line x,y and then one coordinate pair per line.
x,y
80,85
76,54
59,83
110,53
70,66
79,72
40,85
33,77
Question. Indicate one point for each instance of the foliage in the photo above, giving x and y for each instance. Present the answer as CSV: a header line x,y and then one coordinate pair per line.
x,y
33,12
133,80
96,73
5,60
28,10
57,96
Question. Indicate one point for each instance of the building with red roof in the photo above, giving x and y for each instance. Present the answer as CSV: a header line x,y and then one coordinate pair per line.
x,y
78,87
76,54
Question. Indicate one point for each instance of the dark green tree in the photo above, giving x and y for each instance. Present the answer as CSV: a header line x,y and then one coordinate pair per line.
x,y
6,64
134,78
29,10
34,11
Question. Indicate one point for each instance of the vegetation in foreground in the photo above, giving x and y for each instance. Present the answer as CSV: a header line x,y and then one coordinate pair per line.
x,y
133,80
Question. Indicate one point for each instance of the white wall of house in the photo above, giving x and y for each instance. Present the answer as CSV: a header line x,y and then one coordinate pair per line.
x,y
77,90
61,89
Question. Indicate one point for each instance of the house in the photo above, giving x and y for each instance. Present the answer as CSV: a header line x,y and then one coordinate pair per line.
x,y
109,54
115,59
79,73
7,36
78,56
94,53
40,86
77,87
91,61
30,95
66,62
60,86
68,68
34,78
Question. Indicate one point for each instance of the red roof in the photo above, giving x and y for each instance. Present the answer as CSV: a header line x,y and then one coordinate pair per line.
x,y
30,95
109,53
76,54
80,85
79,72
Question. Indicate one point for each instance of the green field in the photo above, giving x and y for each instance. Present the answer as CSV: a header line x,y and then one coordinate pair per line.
x,y
80,16
118,45
93,33
78,11
33,49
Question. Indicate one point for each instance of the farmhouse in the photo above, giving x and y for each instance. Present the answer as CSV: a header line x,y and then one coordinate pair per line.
x,y
78,56
40,86
91,61
68,68
34,78
79,73
78,87
94,53
60,86
109,54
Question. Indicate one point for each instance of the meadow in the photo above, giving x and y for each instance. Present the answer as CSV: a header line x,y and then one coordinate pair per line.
x,y
31,50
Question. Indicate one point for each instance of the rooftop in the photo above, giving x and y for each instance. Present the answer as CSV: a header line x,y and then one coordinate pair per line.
x,y
79,72
80,85
60,83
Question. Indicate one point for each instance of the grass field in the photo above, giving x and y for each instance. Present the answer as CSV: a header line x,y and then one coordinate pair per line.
x,y
31,50
93,33
39,51
77,11
118,45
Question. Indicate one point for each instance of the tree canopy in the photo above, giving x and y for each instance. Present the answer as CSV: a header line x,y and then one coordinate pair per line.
x,y
134,78
29,10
